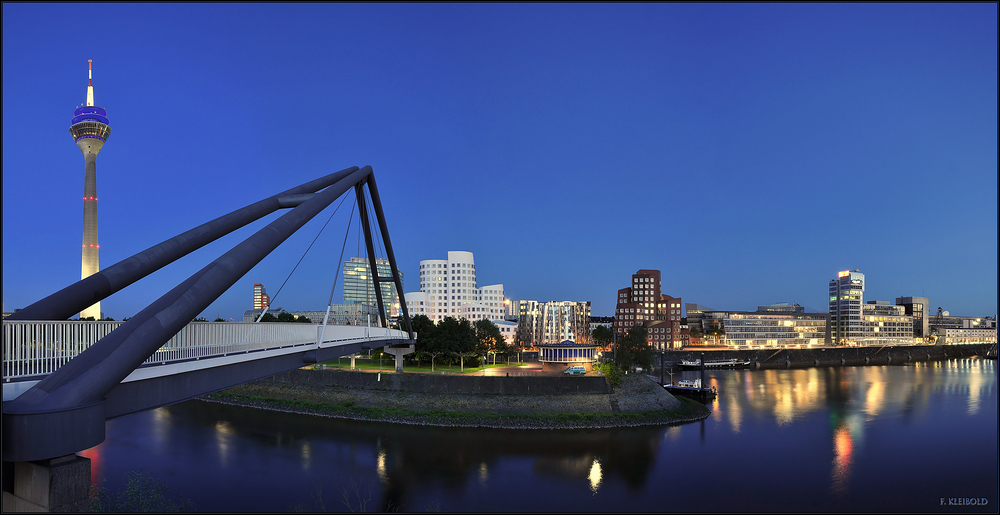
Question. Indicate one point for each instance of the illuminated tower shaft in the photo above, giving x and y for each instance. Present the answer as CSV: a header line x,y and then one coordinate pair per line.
x,y
90,130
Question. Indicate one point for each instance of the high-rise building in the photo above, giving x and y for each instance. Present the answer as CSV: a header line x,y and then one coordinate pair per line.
x,y
916,307
643,304
359,287
846,298
449,288
90,131
261,300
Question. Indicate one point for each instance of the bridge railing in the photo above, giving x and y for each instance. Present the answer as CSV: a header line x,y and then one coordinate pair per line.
x,y
39,348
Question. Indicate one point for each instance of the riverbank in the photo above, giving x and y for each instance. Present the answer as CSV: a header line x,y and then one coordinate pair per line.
x,y
637,402
831,356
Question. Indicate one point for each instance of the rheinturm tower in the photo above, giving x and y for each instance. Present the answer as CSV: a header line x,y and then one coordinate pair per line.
x,y
90,130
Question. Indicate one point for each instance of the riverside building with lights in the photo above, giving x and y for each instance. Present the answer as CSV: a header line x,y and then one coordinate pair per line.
x,y
762,328
847,293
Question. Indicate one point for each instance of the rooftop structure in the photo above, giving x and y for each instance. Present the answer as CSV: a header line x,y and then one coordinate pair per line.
x,y
90,130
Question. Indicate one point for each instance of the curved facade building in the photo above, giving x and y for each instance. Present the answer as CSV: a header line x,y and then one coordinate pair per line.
x,y
90,130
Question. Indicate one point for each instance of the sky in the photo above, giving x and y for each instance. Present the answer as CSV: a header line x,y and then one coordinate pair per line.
x,y
749,152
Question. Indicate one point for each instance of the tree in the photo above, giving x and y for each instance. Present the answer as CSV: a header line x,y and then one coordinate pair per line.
x,y
200,319
633,349
268,318
602,336
219,319
488,338
303,320
426,338
456,337
285,316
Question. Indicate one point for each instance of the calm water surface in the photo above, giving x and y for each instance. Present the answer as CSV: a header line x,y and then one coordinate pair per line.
x,y
890,438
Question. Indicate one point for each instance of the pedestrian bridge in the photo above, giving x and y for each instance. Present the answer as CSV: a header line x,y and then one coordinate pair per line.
x,y
34,349
63,379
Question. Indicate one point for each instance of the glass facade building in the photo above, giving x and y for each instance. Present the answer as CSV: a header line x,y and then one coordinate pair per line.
x,y
846,297
360,289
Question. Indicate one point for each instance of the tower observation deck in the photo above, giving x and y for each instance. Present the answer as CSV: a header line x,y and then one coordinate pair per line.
x,y
90,130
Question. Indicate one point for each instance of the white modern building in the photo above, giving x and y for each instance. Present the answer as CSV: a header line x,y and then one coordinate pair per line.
x,y
449,288
973,331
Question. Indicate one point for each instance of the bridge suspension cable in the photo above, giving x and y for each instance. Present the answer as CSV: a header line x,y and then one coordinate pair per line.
x,y
303,257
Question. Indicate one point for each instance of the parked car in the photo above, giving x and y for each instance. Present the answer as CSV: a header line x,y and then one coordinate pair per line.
x,y
575,370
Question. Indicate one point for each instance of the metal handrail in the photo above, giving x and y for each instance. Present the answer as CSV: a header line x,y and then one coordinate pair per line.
x,y
38,348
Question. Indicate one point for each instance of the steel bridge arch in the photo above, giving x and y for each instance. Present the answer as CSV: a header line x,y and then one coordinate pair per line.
x,y
66,411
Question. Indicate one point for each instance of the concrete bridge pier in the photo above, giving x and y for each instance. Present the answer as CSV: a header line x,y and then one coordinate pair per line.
x,y
399,352
58,484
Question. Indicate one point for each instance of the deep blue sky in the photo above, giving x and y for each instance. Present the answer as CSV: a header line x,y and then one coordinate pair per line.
x,y
749,152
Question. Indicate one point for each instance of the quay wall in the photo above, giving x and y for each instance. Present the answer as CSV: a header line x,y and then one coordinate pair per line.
x,y
445,384
833,356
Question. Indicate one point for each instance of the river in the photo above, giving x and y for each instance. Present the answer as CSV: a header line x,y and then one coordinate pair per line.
x,y
915,438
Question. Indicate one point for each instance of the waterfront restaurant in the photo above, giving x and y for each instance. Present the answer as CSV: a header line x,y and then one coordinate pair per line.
x,y
556,357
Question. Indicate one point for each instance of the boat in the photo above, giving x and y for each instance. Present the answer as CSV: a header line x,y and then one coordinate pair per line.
x,y
716,363
691,388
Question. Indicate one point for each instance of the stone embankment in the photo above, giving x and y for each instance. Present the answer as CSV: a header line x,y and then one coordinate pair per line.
x,y
834,356
462,401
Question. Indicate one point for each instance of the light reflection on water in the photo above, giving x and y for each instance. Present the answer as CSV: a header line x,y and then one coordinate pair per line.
x,y
827,438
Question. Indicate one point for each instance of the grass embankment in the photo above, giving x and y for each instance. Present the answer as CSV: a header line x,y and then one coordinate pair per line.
x,y
286,400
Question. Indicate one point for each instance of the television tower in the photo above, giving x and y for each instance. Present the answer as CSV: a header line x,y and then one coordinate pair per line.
x,y
90,130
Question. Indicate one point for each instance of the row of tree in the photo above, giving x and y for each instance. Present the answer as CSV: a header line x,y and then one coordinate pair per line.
x,y
629,351
455,338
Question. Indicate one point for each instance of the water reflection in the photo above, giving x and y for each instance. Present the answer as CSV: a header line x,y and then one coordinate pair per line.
x,y
832,438
595,476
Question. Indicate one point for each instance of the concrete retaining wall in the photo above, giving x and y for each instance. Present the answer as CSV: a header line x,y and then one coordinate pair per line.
x,y
451,384
836,356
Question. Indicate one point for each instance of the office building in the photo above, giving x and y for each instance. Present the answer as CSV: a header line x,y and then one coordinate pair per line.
x,y
261,300
360,289
90,130
449,287
916,307
846,297
885,324
643,304
553,322
781,307
743,329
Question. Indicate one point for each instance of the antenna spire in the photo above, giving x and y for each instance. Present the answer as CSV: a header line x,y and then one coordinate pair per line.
x,y
90,82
